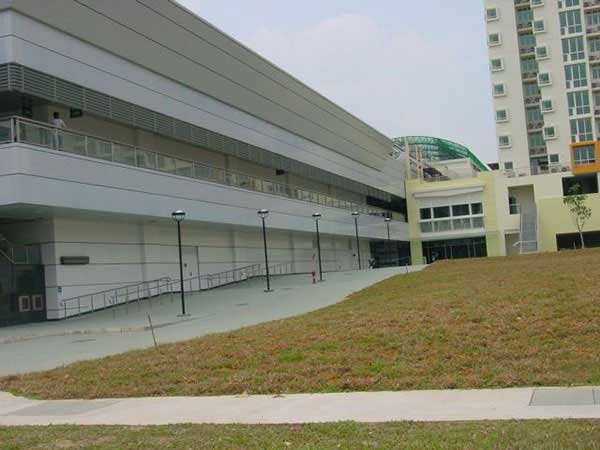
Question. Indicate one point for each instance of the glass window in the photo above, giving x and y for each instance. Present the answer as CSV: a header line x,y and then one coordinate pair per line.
x,y
524,18
544,79
425,213
531,90
499,89
576,75
541,52
496,64
426,227
547,105
504,141
579,103
573,49
536,140
442,225
501,115
440,212
549,132
529,66
460,210
478,222
594,45
581,130
584,155
554,159
534,115
494,39
570,22
539,26
476,208
491,14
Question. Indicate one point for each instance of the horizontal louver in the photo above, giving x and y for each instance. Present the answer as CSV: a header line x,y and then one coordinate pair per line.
x,y
14,77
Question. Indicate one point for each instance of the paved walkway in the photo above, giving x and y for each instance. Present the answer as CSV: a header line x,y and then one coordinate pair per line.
x,y
48,345
422,406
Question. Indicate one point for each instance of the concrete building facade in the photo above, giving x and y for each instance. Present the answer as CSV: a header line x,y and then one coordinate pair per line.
x,y
165,112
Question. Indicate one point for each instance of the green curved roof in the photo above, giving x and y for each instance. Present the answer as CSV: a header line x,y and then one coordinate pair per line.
x,y
436,149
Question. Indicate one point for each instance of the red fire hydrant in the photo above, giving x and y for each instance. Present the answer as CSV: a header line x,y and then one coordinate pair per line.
x,y
314,277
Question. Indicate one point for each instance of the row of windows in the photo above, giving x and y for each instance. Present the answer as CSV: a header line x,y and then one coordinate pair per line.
x,y
584,155
526,16
553,159
451,217
581,131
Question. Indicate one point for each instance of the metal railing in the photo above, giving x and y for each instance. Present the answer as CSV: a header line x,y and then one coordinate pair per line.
x,y
147,290
124,295
537,170
18,129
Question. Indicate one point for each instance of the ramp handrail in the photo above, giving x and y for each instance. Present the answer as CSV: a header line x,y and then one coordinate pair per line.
x,y
111,297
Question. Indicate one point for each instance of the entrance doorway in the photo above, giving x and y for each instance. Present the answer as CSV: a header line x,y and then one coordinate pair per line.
x,y
455,249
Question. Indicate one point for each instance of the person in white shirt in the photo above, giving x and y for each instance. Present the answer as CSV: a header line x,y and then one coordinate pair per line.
x,y
59,124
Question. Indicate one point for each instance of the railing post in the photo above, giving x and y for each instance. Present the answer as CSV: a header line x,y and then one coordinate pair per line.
x,y
78,306
65,307
92,302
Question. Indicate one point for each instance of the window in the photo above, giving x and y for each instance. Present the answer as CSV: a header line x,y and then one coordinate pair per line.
x,y
592,21
476,208
508,166
584,155
568,3
501,115
513,206
570,22
531,90
579,103
524,18
541,53
535,3
573,49
581,130
529,66
544,79
497,64
499,90
539,26
527,41
492,14
595,73
441,212
534,115
460,210
576,76
554,159
536,140
594,45
504,141
451,218
547,105
494,39
549,132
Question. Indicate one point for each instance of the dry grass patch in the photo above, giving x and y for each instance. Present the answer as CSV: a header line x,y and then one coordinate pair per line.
x,y
498,322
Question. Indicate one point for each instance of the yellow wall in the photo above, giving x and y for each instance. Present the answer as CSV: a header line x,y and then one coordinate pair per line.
x,y
555,218
487,180
586,168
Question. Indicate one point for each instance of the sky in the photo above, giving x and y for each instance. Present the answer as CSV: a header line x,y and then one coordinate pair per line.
x,y
404,67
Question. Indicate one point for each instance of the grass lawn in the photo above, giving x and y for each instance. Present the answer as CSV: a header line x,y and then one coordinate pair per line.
x,y
572,435
498,322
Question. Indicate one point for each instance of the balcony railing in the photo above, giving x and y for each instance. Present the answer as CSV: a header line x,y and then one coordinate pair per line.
x,y
537,170
18,129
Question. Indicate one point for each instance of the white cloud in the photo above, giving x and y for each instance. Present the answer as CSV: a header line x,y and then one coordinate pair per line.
x,y
400,82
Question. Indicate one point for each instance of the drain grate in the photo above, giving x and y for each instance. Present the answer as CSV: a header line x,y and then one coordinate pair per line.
x,y
565,397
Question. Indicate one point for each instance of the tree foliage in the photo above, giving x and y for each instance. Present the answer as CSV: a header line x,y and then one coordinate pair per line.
x,y
581,213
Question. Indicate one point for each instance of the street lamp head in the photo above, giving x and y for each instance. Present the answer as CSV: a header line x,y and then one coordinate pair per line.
x,y
263,213
317,216
355,213
388,220
178,215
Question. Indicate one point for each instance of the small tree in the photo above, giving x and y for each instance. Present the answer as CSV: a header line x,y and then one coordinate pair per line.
x,y
580,212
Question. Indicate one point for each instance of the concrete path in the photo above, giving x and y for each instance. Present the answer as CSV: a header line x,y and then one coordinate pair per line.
x,y
422,406
48,345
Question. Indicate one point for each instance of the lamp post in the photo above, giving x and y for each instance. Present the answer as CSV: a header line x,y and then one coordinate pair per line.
x,y
263,213
387,222
317,217
355,214
179,216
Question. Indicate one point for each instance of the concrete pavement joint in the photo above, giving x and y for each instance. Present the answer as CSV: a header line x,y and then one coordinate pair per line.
x,y
368,407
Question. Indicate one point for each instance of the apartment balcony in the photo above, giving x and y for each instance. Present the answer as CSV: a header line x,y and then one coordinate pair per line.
x,y
529,77
532,100
594,58
592,29
527,52
525,27
536,126
537,151
522,4
66,169
595,85
590,5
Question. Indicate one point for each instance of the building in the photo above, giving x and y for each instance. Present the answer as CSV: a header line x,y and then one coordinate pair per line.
x,y
545,65
165,112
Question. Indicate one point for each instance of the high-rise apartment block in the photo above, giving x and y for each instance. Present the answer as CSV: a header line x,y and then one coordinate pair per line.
x,y
545,66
